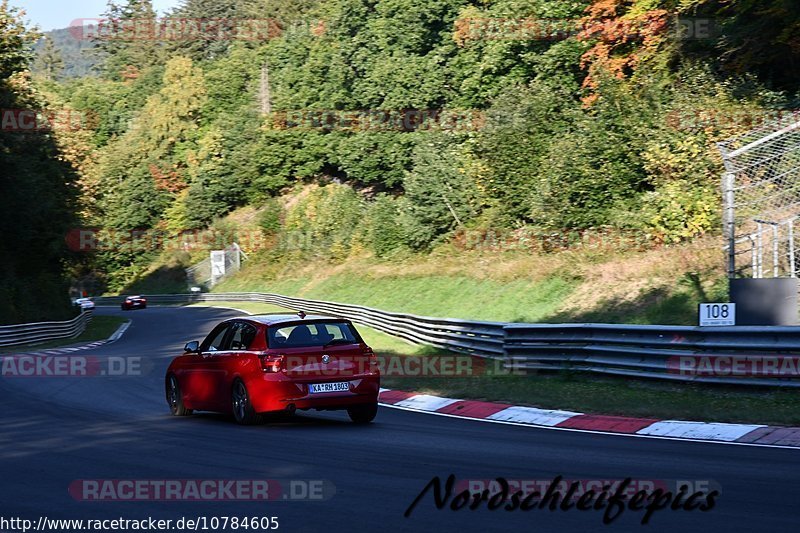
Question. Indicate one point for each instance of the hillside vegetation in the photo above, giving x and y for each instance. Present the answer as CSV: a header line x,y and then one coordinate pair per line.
x,y
394,136
646,288
506,277
61,55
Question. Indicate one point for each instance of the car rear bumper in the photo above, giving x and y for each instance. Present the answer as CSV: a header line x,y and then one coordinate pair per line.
x,y
270,395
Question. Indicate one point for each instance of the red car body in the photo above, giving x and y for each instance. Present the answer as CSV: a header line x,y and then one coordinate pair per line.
x,y
257,365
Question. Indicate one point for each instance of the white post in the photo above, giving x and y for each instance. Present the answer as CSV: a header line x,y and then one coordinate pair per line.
x,y
775,251
791,249
730,221
760,247
217,266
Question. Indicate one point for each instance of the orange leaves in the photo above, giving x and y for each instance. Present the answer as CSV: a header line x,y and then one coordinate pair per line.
x,y
623,38
603,9
129,73
319,29
171,181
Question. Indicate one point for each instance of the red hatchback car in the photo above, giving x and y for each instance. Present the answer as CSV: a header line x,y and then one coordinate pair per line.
x,y
134,302
257,365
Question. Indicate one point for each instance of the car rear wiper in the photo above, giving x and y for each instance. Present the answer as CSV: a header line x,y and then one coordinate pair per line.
x,y
337,341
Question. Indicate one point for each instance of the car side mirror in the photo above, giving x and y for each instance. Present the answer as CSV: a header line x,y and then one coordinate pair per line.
x,y
192,347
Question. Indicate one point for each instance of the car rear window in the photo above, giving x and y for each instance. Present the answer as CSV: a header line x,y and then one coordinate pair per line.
x,y
311,334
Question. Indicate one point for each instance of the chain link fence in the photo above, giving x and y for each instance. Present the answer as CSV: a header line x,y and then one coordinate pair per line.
x,y
762,199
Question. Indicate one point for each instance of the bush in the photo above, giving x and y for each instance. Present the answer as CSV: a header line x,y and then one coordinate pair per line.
x,y
514,146
385,232
440,194
678,211
270,218
323,221
379,158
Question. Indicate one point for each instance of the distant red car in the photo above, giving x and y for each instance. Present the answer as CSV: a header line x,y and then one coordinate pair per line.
x,y
134,302
256,365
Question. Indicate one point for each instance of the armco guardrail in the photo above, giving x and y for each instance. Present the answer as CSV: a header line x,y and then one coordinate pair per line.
x,y
44,331
742,355
683,353
478,338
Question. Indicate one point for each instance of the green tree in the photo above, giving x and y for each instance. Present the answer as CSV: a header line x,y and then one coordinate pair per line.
x,y
128,39
324,222
16,41
515,145
441,196
49,61
37,193
218,23
385,230
152,155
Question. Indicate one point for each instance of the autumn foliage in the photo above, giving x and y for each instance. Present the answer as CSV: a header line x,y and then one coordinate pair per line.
x,y
621,40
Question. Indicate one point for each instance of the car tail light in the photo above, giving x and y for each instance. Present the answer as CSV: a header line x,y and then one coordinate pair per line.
x,y
272,363
373,359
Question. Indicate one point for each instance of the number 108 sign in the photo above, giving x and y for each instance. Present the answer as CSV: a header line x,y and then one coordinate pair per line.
x,y
717,314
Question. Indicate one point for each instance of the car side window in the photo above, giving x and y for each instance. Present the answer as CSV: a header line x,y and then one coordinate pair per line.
x,y
242,336
215,341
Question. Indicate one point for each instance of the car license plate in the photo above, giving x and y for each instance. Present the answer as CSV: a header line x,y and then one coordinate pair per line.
x,y
316,388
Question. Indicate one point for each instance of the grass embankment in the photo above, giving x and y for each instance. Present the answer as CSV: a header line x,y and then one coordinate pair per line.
x,y
99,328
661,286
585,393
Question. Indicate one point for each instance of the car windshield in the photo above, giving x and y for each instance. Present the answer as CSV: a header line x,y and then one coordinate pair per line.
x,y
311,334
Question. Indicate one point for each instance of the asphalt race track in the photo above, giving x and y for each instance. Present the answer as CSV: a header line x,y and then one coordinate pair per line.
x,y
58,430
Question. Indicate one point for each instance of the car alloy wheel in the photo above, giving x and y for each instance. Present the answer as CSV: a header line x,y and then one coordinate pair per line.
x,y
175,399
243,410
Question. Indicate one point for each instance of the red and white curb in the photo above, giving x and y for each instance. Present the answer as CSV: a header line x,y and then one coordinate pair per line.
x,y
746,434
61,351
